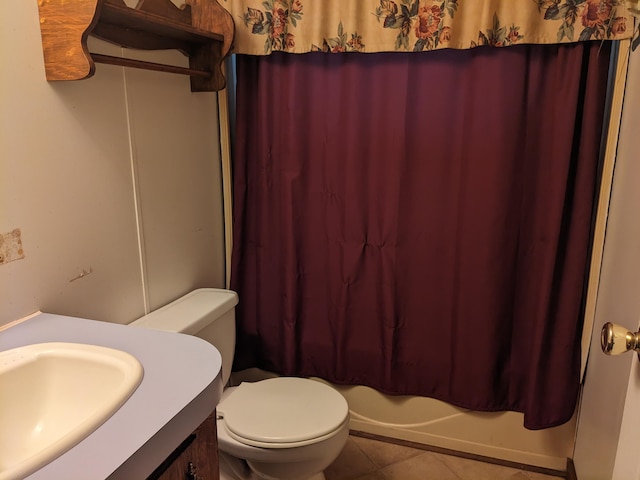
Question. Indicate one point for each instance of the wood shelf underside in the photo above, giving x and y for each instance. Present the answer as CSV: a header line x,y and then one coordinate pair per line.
x,y
201,29
132,28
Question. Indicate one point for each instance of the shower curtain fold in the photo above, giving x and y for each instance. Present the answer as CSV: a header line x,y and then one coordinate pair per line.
x,y
420,223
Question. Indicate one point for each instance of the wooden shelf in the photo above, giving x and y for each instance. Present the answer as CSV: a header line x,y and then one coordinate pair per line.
x,y
202,29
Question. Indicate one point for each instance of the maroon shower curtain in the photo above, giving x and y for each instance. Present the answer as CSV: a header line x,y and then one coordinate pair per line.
x,y
420,223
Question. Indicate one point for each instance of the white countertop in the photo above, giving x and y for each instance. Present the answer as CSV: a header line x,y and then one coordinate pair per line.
x,y
180,388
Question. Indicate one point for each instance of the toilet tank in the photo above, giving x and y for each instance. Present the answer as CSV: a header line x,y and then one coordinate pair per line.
x,y
208,313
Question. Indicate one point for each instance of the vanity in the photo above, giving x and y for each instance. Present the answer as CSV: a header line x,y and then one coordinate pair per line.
x,y
165,429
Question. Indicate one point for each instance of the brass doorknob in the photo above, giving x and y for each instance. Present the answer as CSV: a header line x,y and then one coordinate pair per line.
x,y
615,339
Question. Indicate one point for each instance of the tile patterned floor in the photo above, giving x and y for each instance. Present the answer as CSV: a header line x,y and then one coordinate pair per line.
x,y
366,459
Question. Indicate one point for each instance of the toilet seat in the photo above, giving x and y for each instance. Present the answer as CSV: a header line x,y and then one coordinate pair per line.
x,y
282,412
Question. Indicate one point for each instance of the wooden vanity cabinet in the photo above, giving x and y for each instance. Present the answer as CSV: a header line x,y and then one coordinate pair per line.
x,y
195,459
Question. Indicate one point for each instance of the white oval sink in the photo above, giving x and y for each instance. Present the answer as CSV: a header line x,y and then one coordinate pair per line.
x,y
53,395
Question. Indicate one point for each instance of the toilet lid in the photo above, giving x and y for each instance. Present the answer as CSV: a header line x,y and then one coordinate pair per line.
x,y
277,412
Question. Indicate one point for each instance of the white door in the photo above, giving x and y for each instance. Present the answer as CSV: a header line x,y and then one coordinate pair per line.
x,y
608,437
627,463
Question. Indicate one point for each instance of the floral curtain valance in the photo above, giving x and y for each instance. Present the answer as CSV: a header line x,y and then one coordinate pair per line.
x,y
300,26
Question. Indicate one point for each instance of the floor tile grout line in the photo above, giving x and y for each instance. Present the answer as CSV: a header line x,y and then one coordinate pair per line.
x,y
418,451
444,464
366,456
373,462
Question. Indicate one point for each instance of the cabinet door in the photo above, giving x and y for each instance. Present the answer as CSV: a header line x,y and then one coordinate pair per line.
x,y
195,459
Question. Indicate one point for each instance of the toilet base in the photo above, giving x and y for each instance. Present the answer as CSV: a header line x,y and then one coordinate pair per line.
x,y
235,469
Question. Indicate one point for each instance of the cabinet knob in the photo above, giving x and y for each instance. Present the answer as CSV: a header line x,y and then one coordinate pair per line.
x,y
192,472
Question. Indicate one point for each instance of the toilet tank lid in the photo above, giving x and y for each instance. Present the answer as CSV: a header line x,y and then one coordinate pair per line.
x,y
191,313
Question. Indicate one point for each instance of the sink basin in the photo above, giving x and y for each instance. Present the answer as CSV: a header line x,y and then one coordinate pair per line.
x,y
53,395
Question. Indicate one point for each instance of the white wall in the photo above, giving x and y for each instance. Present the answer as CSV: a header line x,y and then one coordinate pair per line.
x,y
116,177
601,421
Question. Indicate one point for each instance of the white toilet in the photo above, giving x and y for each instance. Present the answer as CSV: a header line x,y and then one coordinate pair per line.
x,y
280,428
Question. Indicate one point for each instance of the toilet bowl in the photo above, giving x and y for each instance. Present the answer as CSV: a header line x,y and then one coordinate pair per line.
x,y
281,428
